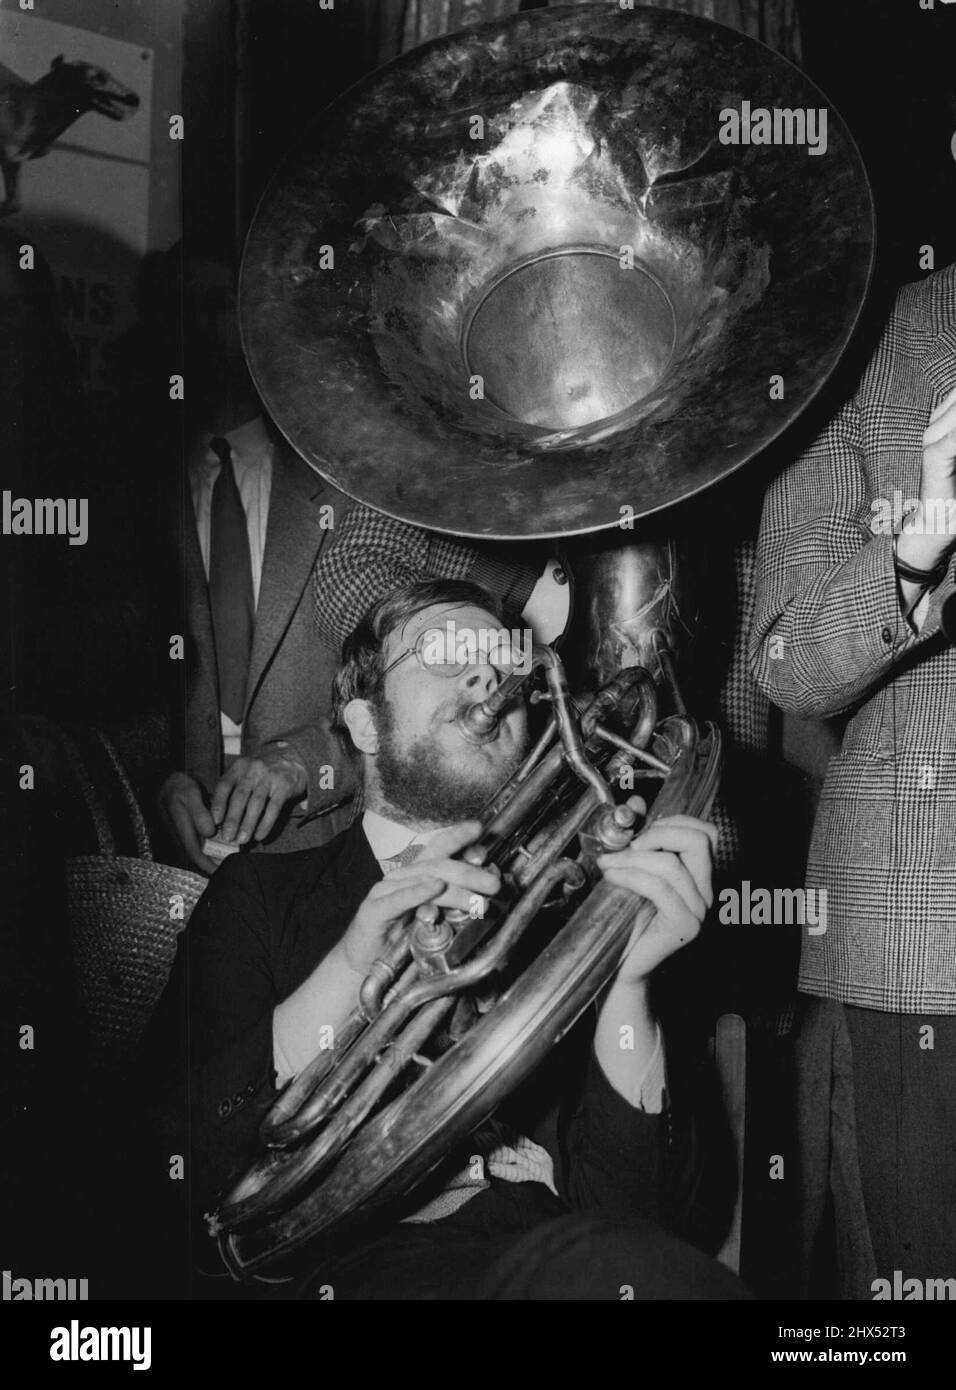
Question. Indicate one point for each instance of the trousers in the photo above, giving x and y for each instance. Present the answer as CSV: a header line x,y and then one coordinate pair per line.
x,y
517,1241
877,1122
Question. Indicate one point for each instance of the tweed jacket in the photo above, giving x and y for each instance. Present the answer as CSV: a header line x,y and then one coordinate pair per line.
x,y
372,554
291,668
829,637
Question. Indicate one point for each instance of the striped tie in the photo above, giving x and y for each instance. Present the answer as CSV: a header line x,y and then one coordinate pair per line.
x,y
407,856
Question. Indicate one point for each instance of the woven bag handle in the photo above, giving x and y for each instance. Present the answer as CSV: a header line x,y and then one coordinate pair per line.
x,y
144,848
101,823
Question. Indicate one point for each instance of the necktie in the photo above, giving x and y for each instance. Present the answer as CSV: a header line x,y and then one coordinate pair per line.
x,y
230,585
407,856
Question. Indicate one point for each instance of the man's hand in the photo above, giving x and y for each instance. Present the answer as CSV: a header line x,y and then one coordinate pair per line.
x,y
327,996
670,865
184,810
929,532
249,797
434,877
939,450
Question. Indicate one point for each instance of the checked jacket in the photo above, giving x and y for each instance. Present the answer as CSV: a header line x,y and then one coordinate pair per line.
x,y
829,637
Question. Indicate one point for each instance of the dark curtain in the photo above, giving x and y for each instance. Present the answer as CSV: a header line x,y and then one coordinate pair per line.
x,y
774,22
401,24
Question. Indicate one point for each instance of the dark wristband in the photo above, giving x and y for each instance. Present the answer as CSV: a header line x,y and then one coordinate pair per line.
x,y
928,578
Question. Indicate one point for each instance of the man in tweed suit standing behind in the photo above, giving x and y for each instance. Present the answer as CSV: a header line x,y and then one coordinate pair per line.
x,y
855,567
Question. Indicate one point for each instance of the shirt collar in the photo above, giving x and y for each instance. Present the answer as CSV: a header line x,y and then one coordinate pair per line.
x,y
387,838
249,442
250,439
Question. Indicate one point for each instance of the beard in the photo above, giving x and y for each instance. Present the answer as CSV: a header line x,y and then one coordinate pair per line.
x,y
415,782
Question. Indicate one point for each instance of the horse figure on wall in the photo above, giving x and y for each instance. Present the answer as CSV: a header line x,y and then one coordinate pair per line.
x,y
35,114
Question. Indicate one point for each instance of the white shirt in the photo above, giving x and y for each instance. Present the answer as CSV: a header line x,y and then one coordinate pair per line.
x,y
387,838
252,461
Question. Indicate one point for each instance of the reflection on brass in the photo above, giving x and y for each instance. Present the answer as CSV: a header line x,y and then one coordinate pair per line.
x,y
565,339
514,281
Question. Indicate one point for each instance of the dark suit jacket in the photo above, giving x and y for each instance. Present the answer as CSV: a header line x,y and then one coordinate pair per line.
x,y
259,930
291,667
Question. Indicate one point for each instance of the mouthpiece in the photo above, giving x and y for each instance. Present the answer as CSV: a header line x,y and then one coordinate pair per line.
x,y
478,723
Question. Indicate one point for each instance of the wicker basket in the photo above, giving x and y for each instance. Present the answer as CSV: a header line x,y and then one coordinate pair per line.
x,y
125,914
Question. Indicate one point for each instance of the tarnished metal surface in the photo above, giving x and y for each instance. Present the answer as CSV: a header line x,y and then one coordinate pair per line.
x,y
629,599
476,195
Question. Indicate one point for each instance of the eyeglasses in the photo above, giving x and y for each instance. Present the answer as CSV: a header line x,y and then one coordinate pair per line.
x,y
448,652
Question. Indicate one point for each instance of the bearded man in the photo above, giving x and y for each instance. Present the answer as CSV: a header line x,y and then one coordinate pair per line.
x,y
279,946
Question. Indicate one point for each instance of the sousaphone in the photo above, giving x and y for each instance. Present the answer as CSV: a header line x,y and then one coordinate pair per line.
x,y
524,282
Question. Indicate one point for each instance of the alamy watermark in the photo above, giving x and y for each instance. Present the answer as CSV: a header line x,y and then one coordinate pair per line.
x,y
76,1343
46,516
777,907
21,1289
760,125
913,1290
901,515
454,647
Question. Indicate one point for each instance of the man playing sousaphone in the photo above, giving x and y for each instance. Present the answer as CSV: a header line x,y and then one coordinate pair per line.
x,y
575,1200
